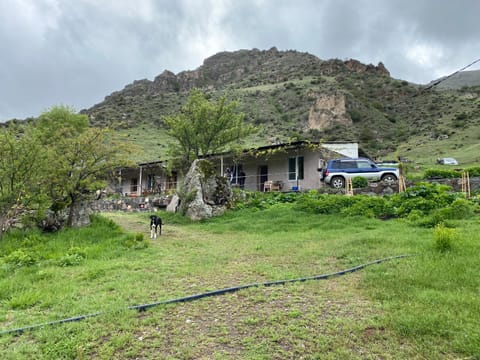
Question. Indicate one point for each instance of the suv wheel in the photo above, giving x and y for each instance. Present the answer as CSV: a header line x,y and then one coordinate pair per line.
x,y
338,182
389,179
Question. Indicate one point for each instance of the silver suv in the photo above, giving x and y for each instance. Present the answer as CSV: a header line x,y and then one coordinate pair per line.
x,y
338,170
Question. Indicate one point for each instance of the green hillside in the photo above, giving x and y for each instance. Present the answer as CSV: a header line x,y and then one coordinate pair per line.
x,y
289,93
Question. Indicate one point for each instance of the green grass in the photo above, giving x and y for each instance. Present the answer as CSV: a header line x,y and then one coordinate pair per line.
x,y
152,142
420,307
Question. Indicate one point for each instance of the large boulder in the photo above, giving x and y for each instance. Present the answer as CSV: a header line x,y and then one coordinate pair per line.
x,y
56,220
204,193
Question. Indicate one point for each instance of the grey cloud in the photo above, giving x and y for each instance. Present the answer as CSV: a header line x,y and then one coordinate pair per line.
x,y
77,52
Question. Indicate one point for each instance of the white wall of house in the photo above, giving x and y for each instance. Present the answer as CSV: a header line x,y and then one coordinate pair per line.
x,y
277,169
273,166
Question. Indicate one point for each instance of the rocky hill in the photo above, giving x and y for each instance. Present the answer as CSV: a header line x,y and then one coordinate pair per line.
x,y
293,94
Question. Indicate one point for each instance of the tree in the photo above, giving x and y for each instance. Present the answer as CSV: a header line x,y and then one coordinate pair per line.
x,y
205,127
53,163
22,163
80,157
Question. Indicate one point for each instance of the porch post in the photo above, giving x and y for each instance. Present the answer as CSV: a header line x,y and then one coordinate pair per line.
x,y
139,187
221,165
119,186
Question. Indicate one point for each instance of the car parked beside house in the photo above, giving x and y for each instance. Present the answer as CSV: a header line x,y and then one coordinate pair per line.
x,y
338,171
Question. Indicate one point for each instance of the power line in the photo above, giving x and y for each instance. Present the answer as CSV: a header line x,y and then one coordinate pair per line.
x,y
435,83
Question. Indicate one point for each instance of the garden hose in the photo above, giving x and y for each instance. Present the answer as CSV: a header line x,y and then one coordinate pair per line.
x,y
144,307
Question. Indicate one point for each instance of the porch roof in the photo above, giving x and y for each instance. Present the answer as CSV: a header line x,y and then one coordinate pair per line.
x,y
287,146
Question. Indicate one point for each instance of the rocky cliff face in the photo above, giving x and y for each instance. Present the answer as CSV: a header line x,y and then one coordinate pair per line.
x,y
327,111
357,66
255,67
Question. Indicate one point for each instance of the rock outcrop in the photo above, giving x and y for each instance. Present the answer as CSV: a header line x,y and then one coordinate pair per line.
x,y
204,193
357,66
327,111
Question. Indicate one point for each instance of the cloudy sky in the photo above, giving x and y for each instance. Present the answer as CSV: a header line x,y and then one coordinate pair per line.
x,y
75,52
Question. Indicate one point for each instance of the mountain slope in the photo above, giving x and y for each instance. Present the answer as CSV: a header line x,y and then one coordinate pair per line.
x,y
460,80
290,93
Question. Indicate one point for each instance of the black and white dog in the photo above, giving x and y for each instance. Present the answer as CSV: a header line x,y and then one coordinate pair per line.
x,y
155,226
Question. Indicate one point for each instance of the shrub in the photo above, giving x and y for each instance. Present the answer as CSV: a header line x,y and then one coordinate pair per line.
x,y
441,173
370,206
355,115
473,171
444,237
69,260
423,197
262,200
359,182
20,258
460,209
74,256
323,204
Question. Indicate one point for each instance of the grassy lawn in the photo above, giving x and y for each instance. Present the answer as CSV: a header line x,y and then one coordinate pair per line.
x,y
421,307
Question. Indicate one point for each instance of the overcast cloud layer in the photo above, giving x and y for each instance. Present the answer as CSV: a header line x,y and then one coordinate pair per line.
x,y
75,52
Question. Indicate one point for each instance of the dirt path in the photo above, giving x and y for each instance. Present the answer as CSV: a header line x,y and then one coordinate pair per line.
x,y
139,223
130,222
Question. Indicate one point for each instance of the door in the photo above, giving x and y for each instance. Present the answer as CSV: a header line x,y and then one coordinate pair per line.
x,y
262,176
134,185
368,169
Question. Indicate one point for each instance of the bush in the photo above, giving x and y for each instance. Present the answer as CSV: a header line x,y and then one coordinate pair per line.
x,y
20,258
359,182
73,257
473,171
444,237
441,173
262,200
323,204
370,206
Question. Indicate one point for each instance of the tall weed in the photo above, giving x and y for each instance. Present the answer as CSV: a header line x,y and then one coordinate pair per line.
x,y
444,238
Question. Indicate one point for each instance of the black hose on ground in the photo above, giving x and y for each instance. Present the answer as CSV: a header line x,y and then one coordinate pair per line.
x,y
144,307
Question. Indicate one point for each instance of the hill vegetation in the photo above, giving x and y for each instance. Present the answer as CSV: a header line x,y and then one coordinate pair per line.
x,y
289,94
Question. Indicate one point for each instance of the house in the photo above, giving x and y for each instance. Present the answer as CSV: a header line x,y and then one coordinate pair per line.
x,y
285,167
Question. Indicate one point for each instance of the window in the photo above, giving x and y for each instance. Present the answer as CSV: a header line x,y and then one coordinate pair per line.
x,y
236,169
348,165
150,181
295,168
133,185
171,183
364,165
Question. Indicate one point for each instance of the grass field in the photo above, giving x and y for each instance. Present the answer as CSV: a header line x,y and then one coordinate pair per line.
x,y
421,307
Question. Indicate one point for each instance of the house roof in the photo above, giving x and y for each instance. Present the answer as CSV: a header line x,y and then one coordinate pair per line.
x,y
287,146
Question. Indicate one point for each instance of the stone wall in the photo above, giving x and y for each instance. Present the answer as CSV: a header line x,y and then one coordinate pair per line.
x,y
149,203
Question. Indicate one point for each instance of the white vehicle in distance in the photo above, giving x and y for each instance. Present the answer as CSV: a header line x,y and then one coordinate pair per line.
x,y
447,161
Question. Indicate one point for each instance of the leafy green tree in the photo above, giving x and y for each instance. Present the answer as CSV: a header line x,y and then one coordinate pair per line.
x,y
54,163
204,127
80,157
22,163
